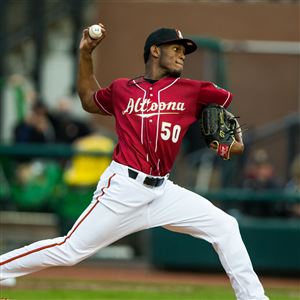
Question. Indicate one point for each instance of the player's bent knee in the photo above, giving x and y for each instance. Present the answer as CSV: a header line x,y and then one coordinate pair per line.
x,y
232,223
227,231
229,225
72,261
71,255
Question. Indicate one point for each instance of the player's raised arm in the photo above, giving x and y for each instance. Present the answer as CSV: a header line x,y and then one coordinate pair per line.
x,y
87,84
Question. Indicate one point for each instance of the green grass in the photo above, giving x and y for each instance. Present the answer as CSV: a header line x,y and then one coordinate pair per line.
x,y
78,290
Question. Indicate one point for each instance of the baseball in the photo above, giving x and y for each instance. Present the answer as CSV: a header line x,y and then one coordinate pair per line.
x,y
95,32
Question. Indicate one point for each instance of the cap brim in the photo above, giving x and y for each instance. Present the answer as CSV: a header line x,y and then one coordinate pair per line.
x,y
189,45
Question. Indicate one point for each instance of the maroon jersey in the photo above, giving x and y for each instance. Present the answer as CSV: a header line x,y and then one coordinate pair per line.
x,y
152,119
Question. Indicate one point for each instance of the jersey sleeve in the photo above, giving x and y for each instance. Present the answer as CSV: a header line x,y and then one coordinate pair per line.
x,y
103,99
210,93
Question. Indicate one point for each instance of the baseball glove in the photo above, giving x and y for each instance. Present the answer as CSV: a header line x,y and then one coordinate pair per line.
x,y
218,127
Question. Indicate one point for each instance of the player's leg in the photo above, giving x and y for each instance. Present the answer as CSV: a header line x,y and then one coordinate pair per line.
x,y
78,244
110,216
180,210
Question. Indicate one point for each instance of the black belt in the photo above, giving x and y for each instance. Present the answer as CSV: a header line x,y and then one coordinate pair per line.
x,y
150,181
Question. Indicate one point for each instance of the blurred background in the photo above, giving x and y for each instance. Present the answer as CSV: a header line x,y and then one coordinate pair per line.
x,y
52,152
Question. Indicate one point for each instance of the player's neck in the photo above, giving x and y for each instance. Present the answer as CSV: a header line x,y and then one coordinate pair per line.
x,y
155,75
152,72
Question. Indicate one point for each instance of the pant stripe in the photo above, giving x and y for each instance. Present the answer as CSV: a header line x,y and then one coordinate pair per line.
x,y
67,237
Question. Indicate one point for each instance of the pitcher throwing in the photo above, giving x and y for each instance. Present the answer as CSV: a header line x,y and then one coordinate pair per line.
x,y
152,114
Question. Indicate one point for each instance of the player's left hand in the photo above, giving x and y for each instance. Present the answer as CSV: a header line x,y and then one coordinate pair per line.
x,y
221,131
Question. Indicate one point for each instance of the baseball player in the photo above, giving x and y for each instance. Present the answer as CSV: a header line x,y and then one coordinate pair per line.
x,y
152,114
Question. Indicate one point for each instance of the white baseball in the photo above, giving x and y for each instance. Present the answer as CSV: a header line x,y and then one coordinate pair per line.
x,y
95,32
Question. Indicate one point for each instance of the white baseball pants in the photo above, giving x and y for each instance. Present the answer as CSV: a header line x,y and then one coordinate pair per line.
x,y
121,206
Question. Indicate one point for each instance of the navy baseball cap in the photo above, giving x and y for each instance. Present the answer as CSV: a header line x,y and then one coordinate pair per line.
x,y
166,36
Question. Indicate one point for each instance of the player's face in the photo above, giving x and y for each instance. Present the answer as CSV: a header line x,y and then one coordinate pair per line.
x,y
171,59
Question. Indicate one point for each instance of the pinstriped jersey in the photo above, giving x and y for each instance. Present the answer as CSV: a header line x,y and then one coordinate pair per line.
x,y
152,118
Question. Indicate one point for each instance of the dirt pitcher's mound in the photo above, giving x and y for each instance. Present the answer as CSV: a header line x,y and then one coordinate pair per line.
x,y
103,272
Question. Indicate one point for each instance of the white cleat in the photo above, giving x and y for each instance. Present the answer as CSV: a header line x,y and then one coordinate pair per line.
x,y
10,282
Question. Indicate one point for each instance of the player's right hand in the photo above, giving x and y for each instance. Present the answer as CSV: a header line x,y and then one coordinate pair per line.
x,y
87,44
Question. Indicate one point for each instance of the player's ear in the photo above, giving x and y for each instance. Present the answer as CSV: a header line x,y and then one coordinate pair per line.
x,y
155,51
